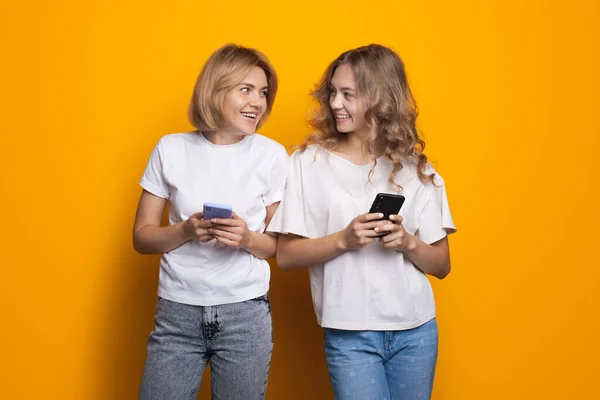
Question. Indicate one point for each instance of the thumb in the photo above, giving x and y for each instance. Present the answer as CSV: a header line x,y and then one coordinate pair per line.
x,y
198,215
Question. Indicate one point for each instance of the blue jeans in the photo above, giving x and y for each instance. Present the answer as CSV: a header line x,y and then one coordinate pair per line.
x,y
237,340
382,365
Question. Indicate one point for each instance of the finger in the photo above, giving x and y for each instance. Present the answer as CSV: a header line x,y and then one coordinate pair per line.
x,y
203,223
374,224
391,237
200,233
225,234
205,238
368,233
232,229
385,228
227,221
226,241
394,244
234,215
397,219
367,241
198,215
369,217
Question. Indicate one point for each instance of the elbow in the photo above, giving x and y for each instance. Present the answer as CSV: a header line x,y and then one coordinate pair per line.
x,y
282,261
443,272
138,245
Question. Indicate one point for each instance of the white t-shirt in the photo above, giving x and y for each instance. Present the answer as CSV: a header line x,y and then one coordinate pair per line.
x,y
372,288
188,170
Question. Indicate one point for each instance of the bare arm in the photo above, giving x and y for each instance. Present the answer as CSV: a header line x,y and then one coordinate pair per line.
x,y
294,251
234,232
433,259
150,238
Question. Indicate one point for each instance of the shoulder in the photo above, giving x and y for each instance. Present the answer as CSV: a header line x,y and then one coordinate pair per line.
x,y
410,170
175,140
266,143
310,154
437,178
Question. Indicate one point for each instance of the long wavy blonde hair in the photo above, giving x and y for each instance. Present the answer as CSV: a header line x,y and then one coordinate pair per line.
x,y
391,110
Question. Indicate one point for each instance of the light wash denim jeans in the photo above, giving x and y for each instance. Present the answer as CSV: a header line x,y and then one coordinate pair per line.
x,y
237,340
382,365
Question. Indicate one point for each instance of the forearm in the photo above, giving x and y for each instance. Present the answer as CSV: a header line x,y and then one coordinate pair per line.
x,y
433,260
295,252
262,245
155,239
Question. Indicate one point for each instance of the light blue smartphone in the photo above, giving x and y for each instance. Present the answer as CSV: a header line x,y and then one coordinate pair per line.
x,y
214,210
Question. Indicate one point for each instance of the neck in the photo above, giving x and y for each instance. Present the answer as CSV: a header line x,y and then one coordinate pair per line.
x,y
354,146
222,137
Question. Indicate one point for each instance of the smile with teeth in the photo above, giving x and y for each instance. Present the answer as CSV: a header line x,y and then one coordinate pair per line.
x,y
342,117
251,115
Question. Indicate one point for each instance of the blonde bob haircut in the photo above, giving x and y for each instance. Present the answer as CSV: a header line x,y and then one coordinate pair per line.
x,y
224,70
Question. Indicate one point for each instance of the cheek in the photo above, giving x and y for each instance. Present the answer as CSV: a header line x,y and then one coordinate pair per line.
x,y
232,103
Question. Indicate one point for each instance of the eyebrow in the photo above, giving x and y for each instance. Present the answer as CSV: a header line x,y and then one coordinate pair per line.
x,y
251,85
344,88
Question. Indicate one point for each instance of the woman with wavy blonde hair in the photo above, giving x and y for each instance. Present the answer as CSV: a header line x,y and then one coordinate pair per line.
x,y
367,274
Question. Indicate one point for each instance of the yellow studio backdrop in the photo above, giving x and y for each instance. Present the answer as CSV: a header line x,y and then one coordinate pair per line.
x,y
508,93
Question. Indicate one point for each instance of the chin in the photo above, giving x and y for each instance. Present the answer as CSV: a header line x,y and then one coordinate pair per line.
x,y
344,129
244,132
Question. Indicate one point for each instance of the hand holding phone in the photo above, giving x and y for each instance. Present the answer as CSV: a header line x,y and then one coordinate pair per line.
x,y
229,229
387,204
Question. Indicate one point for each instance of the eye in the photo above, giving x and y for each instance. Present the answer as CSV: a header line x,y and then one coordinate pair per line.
x,y
331,92
245,90
264,93
347,95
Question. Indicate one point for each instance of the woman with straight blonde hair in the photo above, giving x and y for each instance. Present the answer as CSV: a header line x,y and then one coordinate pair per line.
x,y
367,269
223,183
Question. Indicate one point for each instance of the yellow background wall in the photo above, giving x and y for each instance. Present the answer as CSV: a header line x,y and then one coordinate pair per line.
x,y
508,93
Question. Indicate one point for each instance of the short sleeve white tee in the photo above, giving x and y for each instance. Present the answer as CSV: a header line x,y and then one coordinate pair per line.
x,y
372,288
189,171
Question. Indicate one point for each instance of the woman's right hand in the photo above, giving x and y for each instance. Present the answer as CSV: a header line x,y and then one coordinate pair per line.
x,y
196,228
360,231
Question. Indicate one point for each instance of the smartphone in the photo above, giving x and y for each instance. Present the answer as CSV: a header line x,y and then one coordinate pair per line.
x,y
387,204
214,210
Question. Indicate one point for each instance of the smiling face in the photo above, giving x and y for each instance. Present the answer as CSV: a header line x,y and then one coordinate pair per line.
x,y
347,105
245,104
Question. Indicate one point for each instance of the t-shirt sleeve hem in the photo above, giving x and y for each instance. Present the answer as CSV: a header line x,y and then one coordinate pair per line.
x,y
152,188
434,237
298,232
274,198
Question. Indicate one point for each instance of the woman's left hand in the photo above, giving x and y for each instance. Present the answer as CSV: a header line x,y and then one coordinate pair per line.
x,y
232,232
396,236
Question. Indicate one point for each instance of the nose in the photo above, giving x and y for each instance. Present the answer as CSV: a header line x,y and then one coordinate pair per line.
x,y
336,102
254,100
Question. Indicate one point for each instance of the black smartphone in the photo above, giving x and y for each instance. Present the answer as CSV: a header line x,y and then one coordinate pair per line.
x,y
387,204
